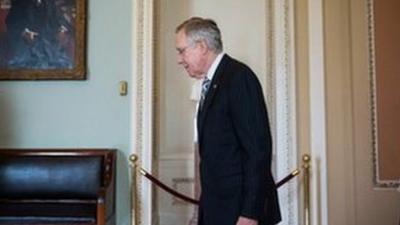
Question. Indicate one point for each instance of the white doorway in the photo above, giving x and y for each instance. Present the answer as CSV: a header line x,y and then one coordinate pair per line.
x,y
259,33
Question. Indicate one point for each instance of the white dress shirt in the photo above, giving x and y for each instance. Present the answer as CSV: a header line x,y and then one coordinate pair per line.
x,y
210,74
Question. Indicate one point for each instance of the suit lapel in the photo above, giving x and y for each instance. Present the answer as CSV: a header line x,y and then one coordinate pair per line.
x,y
215,83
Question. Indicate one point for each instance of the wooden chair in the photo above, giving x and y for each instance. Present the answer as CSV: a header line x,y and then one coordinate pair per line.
x,y
57,186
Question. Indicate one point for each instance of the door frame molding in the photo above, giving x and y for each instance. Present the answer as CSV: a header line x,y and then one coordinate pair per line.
x,y
317,95
281,97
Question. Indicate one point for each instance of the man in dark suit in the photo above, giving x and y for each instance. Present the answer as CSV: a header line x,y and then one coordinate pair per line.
x,y
237,187
34,28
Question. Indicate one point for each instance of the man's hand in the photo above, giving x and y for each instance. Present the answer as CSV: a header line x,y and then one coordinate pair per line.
x,y
29,35
246,221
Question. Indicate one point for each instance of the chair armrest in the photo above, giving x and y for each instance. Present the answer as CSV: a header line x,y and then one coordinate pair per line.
x,y
101,207
108,190
105,206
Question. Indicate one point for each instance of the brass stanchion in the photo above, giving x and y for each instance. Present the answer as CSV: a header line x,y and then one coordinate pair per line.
x,y
136,169
134,195
306,181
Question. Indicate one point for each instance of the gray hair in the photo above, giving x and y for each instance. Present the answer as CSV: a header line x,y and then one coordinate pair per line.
x,y
199,29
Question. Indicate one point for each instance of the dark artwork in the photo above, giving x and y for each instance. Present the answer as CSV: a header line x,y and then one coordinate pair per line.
x,y
39,34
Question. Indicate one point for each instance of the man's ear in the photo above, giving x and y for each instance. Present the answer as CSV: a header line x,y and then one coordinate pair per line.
x,y
203,47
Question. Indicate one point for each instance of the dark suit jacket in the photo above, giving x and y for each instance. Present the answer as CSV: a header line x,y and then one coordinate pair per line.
x,y
235,150
44,19
45,51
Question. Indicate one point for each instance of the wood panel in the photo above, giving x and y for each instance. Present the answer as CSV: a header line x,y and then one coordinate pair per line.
x,y
387,92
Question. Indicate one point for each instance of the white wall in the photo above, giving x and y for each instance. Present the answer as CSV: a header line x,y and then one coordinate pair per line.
x,y
90,113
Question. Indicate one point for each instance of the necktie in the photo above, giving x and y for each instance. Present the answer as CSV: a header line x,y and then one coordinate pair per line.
x,y
204,88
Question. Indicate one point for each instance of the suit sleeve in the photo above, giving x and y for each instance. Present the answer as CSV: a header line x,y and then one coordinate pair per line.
x,y
250,121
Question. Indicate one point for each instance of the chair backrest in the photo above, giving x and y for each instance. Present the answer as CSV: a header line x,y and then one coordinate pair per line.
x,y
50,177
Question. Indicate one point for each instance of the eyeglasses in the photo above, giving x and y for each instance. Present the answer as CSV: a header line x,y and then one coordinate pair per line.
x,y
182,51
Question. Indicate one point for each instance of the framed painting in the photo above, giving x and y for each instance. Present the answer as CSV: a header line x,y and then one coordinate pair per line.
x,y
384,35
43,39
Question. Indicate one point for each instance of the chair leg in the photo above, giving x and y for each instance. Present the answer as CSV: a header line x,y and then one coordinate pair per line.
x,y
101,213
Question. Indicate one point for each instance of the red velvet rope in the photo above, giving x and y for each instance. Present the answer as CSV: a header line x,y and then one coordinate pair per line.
x,y
194,201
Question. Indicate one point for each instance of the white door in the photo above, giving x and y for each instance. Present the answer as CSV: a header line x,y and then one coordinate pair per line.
x,y
259,33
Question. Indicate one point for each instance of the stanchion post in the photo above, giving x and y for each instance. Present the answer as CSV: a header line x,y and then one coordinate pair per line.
x,y
306,181
134,191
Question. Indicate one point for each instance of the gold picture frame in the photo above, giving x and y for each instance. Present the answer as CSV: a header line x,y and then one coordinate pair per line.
x,y
43,39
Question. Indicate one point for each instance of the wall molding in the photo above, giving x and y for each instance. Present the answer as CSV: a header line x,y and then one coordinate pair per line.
x,y
142,107
378,182
281,89
318,132
177,156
